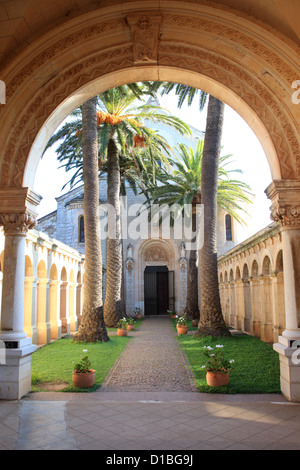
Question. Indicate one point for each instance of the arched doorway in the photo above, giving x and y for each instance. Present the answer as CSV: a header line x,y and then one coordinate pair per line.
x,y
156,285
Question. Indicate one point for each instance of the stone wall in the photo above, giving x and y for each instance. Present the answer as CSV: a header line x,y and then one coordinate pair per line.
x,y
251,285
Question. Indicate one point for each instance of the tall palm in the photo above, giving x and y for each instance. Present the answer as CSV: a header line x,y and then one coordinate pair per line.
x,y
121,126
183,188
211,319
92,327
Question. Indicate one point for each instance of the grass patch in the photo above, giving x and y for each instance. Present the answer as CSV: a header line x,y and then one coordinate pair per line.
x,y
256,367
54,363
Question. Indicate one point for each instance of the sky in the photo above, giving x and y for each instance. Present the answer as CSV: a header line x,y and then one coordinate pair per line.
x,y
238,140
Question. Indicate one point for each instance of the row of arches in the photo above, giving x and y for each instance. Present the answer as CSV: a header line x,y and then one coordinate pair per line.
x,y
252,295
254,269
52,299
52,304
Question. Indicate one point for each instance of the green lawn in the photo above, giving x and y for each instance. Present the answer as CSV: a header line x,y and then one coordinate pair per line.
x,y
54,362
256,367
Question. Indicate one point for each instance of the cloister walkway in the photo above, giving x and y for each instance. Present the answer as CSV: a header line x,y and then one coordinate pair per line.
x,y
148,402
152,362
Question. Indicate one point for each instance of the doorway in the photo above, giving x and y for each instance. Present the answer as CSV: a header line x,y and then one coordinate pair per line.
x,y
158,290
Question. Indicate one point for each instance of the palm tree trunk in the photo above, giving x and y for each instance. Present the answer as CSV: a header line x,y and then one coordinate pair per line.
x,y
192,308
92,327
113,305
211,319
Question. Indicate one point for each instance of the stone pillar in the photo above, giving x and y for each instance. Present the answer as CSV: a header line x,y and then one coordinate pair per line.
x,y
266,326
285,209
64,307
129,285
43,324
17,216
28,323
54,304
72,307
239,304
256,305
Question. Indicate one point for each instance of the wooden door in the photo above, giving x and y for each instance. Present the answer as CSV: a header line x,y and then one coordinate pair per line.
x,y
150,292
162,293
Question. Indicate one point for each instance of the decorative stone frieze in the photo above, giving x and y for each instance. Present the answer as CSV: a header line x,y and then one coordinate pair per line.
x,y
145,29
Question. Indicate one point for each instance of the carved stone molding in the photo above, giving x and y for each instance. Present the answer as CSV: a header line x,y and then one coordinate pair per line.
x,y
17,210
129,264
147,49
17,224
155,253
286,216
145,29
285,197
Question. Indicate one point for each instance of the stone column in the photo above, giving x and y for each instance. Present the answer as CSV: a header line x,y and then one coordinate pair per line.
x,y
285,209
17,216
54,304
43,325
72,307
255,305
28,323
239,304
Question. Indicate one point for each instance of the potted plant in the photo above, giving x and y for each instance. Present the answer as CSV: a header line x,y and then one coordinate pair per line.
x,y
83,376
217,366
122,327
172,313
181,325
130,323
138,313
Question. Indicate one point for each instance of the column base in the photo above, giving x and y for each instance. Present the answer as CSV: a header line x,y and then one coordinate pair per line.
x,y
289,368
15,372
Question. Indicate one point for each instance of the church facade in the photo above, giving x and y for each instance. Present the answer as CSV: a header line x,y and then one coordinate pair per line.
x,y
155,263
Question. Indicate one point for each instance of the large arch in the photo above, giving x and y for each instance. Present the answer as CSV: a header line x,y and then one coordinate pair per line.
x,y
238,60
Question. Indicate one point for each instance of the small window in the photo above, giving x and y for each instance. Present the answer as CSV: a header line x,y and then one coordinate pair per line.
x,y
81,229
228,226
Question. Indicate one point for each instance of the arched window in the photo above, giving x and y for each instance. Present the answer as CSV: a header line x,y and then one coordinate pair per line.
x,y
228,227
81,229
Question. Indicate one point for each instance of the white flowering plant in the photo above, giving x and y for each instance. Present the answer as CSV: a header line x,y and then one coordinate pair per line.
x,y
216,361
182,320
122,323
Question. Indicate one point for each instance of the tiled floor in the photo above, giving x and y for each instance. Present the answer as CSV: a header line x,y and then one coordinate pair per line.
x,y
125,415
147,421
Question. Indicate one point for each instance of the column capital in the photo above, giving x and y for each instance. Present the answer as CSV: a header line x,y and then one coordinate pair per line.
x,y
18,210
285,198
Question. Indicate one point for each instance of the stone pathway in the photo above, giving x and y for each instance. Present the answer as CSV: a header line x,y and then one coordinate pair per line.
x,y
152,362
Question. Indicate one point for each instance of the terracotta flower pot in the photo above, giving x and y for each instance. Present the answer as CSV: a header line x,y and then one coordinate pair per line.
x,y
130,327
217,379
121,332
182,330
83,379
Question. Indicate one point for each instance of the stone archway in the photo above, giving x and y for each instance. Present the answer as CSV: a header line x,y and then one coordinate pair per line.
x,y
237,60
221,49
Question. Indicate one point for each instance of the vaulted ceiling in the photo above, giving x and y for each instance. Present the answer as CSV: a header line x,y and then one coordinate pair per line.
x,y
23,21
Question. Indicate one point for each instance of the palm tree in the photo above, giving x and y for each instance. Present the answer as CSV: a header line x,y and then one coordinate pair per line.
x,y
211,319
183,188
121,136
92,327
121,126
